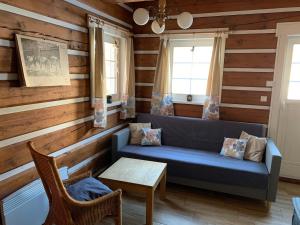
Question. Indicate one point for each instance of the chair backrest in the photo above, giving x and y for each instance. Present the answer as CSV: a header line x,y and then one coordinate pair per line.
x,y
47,169
197,133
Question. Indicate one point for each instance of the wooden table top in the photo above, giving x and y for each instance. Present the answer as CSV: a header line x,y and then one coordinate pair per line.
x,y
135,171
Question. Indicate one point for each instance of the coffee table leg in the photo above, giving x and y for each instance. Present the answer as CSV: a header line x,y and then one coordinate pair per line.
x,y
162,187
149,207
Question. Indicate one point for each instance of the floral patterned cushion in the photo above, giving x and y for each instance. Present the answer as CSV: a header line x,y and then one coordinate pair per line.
x,y
135,132
151,136
234,148
211,109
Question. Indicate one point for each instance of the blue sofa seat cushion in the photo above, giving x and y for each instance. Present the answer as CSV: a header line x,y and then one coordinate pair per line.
x,y
88,189
202,165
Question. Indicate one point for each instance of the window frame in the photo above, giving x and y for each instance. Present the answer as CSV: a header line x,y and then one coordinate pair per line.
x,y
187,42
293,40
114,40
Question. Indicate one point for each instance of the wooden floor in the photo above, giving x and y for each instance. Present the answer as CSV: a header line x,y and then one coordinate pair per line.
x,y
189,206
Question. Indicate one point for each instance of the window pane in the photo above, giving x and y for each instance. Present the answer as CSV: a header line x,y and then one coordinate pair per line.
x,y
107,47
296,54
111,86
182,54
110,51
202,54
182,70
294,92
113,71
181,86
190,68
295,72
113,52
200,71
111,68
107,68
198,87
294,84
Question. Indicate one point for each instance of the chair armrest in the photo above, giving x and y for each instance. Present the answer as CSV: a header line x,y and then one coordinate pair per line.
x,y
273,163
90,212
117,195
119,140
79,177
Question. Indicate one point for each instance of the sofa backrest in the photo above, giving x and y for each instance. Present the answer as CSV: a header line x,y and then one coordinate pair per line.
x,y
197,133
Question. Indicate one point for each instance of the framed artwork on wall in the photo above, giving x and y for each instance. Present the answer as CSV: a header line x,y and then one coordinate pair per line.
x,y
42,62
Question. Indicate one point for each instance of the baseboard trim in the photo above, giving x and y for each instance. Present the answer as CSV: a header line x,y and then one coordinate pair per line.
x,y
289,180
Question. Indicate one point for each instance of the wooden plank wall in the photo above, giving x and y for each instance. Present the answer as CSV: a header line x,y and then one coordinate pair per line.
x,y
57,119
249,59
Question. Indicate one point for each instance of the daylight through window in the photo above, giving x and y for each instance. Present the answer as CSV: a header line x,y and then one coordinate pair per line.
x,y
111,66
190,62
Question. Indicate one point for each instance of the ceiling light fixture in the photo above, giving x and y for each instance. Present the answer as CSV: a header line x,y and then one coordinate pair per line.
x,y
141,16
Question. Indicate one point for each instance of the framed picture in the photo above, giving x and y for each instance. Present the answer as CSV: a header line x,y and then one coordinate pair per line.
x,y
42,62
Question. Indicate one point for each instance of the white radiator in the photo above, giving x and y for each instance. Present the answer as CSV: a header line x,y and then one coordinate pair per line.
x,y
29,205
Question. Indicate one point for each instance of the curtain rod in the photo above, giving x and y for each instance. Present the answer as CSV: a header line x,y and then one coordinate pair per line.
x,y
193,35
210,32
103,23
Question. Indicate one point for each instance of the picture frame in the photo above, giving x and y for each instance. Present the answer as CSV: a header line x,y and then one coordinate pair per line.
x,y
42,62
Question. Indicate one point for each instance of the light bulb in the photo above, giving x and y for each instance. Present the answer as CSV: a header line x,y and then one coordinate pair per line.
x,y
156,28
141,16
185,20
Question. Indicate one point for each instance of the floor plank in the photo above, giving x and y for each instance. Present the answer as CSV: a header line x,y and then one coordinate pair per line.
x,y
190,206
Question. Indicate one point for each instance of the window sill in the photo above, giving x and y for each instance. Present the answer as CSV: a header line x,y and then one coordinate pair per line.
x,y
188,103
114,103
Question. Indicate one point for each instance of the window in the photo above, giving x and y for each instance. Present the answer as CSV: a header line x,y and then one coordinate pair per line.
x,y
294,82
111,47
190,62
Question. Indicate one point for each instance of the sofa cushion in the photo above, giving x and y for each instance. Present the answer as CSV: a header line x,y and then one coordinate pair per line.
x,y
87,189
256,147
197,133
202,165
136,132
151,137
233,147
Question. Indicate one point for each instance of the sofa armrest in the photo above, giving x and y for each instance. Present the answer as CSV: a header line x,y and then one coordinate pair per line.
x,y
119,140
273,163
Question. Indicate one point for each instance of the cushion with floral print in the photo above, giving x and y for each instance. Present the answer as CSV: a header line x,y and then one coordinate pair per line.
x,y
234,148
211,108
135,132
151,137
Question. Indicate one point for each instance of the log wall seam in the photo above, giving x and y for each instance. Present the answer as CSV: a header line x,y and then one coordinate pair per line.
x,y
62,151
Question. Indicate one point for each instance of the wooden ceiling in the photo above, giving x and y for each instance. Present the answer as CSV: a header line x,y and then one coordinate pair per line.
x,y
125,1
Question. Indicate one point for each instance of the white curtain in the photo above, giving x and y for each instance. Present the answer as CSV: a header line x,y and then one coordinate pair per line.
x,y
97,77
161,103
128,80
214,82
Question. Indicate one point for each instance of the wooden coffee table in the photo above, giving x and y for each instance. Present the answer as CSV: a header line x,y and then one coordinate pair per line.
x,y
139,176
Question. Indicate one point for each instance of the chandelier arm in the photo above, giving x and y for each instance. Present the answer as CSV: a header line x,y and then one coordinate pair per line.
x,y
161,15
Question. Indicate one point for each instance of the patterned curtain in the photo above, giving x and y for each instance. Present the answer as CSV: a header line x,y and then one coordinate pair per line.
x,y
128,82
161,103
97,77
214,82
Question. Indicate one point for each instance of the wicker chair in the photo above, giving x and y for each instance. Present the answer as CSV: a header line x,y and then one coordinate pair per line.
x,y
64,210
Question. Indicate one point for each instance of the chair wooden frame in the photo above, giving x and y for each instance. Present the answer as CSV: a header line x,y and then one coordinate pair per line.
x,y
63,209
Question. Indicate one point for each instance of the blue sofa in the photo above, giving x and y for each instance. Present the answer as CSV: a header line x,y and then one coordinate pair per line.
x,y
191,148
296,216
